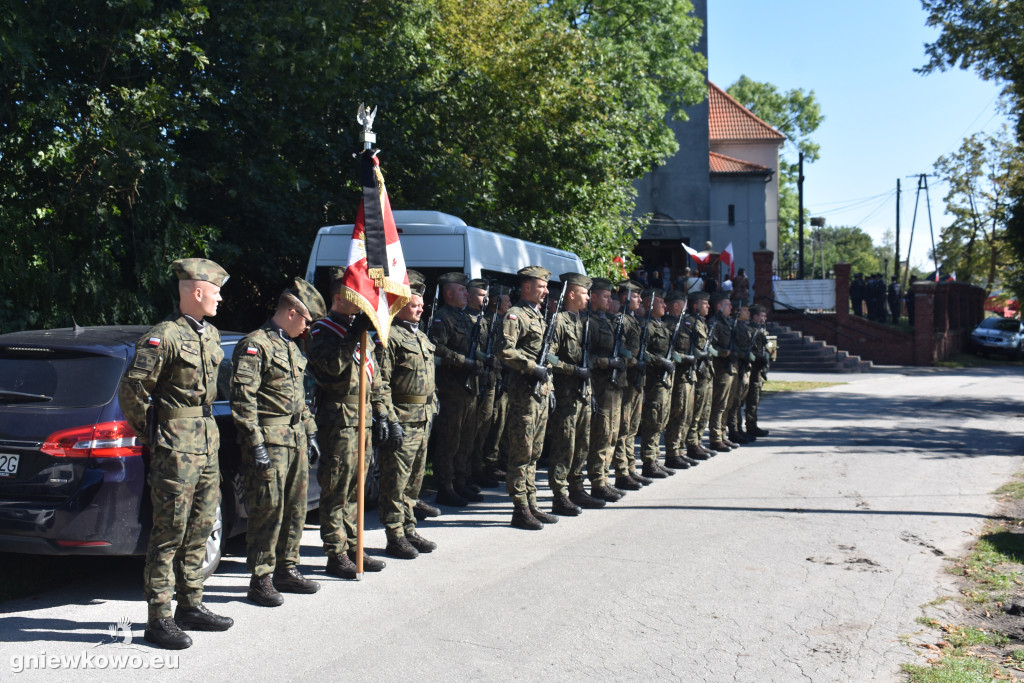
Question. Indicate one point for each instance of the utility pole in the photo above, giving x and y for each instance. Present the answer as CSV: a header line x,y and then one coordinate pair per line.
x,y
896,267
800,216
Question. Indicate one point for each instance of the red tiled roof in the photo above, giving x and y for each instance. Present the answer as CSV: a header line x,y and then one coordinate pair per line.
x,y
728,120
723,164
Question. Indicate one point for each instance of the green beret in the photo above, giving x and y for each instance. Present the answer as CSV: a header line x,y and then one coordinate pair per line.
x,y
453,278
336,273
200,269
534,272
578,279
698,296
629,286
600,284
498,290
674,295
415,277
310,298
478,283
756,309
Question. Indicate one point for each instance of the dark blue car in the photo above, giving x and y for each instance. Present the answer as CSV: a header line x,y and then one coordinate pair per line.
x,y
72,473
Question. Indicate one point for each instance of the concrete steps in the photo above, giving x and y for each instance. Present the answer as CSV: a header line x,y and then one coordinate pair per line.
x,y
799,352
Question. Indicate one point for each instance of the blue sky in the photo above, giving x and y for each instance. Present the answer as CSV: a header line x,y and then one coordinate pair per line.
x,y
882,121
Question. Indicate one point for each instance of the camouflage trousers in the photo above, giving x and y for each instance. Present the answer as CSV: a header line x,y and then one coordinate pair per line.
x,y
493,444
701,408
624,458
679,415
720,399
401,477
185,490
454,433
523,441
740,387
654,415
604,427
753,395
478,461
275,500
339,486
569,432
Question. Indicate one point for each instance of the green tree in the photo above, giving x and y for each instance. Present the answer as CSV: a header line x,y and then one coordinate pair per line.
x,y
796,114
834,244
982,176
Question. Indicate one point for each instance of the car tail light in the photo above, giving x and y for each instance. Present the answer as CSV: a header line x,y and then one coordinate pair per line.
x,y
102,440
82,544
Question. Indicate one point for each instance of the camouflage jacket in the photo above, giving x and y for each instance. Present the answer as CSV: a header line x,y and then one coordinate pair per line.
x,y
567,350
759,346
744,336
721,334
407,374
450,332
267,385
333,361
176,368
699,331
682,343
659,335
521,340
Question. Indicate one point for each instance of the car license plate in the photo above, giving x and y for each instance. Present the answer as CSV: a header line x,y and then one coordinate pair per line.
x,y
8,464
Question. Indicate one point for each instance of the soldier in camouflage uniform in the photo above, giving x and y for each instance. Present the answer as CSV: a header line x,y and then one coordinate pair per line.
x,y
681,405
744,335
659,368
607,379
528,386
624,457
569,423
492,405
175,367
458,383
703,376
721,352
277,436
333,352
471,457
759,369
407,385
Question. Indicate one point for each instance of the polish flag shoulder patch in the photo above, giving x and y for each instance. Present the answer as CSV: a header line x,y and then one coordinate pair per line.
x,y
512,316
154,341
252,351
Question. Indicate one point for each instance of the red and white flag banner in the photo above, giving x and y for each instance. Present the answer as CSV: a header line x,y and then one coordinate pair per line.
x,y
376,279
728,257
701,257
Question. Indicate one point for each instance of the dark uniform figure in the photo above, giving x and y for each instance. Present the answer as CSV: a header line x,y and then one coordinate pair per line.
x,y
529,387
277,435
608,376
569,424
659,371
469,453
334,351
407,386
758,368
704,374
166,395
458,382
492,406
624,457
895,296
681,404
858,290
743,335
721,350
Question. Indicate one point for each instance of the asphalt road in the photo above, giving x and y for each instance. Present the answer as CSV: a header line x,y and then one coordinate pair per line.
x,y
804,556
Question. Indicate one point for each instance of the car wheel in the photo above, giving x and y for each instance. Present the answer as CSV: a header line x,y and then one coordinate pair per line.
x,y
214,544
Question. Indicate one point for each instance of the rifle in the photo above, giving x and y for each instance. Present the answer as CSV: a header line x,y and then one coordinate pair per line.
x,y
433,306
617,346
672,345
641,364
549,336
474,341
489,348
585,385
704,351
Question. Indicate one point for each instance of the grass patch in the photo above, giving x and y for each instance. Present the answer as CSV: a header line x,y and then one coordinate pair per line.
x,y
773,386
994,566
954,670
970,360
1012,489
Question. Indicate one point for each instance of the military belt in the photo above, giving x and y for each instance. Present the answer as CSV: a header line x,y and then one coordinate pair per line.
x,y
191,411
283,420
408,398
351,399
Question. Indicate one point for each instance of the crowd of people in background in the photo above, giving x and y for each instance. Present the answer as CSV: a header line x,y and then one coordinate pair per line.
x,y
873,299
690,280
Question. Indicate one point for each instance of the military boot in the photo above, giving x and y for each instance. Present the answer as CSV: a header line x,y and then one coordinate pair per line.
x,y
747,436
340,566
757,431
730,443
720,447
640,479
652,471
736,437
468,493
541,516
166,634
676,462
262,591
370,563
423,510
495,472
446,495
199,618
627,483
710,452
585,500
484,480
522,518
667,470
421,544
291,581
399,546
565,507
605,493
695,452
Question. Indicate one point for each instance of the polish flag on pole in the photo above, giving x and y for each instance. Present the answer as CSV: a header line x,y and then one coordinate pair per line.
x,y
376,279
700,257
952,276
727,257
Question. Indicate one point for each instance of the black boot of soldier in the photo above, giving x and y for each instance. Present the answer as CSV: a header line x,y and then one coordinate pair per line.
x,y
522,518
565,507
585,500
370,563
675,462
166,634
543,517
399,546
640,479
652,471
627,483
262,591
605,493
423,510
199,618
446,495
291,581
341,566
420,543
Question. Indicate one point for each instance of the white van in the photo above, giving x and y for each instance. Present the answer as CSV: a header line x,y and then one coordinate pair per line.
x,y
435,243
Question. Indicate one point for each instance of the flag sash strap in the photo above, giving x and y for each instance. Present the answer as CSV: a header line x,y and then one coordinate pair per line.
x,y
361,471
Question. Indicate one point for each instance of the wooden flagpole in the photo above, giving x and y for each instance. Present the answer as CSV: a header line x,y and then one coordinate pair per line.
x,y
361,465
